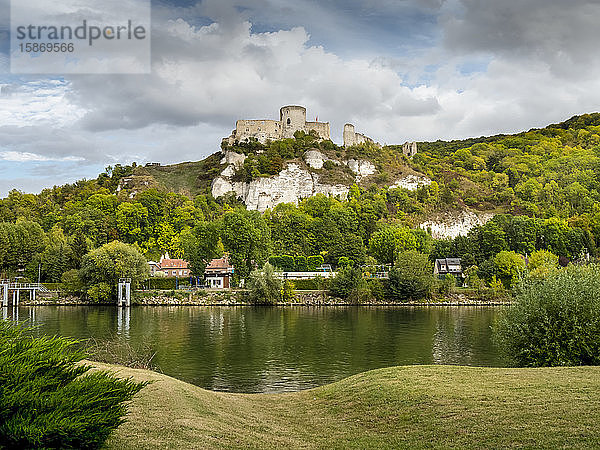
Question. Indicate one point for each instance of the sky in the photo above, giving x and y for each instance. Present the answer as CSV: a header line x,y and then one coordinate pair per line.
x,y
399,70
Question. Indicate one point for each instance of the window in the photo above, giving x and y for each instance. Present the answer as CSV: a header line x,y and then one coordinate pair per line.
x,y
289,121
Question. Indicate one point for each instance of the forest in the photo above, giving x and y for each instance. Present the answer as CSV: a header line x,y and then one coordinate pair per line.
x,y
543,185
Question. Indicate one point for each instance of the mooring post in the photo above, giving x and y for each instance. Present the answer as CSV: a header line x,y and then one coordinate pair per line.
x,y
128,292
4,294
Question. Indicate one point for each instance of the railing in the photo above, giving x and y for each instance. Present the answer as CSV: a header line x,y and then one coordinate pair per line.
x,y
24,286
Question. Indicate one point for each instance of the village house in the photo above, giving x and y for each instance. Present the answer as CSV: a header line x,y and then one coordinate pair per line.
x,y
218,273
170,267
448,266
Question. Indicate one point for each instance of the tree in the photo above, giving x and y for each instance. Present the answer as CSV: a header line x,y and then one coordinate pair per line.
x,y
264,287
104,266
509,267
247,238
542,263
387,243
554,322
411,278
201,244
349,284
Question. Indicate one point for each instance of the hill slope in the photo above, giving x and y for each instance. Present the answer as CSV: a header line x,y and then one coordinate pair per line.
x,y
398,407
545,172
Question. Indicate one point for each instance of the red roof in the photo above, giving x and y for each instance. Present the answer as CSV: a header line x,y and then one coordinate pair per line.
x,y
219,264
173,264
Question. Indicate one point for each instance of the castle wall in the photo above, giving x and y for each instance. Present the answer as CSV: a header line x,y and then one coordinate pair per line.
x,y
262,130
322,129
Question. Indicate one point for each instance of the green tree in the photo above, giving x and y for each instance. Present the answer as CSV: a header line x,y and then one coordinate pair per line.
x,y
411,278
509,267
387,243
264,287
104,266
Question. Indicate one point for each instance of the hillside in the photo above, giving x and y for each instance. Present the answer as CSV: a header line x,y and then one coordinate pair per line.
x,y
397,407
315,198
541,172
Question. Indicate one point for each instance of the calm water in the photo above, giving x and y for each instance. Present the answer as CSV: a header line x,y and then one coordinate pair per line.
x,y
262,349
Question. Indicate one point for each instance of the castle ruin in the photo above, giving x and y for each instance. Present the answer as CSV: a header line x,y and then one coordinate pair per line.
x,y
291,119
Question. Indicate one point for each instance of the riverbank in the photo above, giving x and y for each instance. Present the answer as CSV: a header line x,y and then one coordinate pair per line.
x,y
237,298
398,407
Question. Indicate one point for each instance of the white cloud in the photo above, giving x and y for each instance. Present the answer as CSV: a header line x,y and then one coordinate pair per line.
x,y
531,70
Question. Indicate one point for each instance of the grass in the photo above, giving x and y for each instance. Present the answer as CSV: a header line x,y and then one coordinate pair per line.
x,y
399,407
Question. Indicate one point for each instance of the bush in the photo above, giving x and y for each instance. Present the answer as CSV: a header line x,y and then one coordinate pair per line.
x,y
71,283
301,264
264,288
48,401
100,293
314,262
411,278
554,322
349,284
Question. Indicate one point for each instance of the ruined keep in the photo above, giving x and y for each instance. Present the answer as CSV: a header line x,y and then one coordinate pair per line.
x,y
351,137
409,149
291,119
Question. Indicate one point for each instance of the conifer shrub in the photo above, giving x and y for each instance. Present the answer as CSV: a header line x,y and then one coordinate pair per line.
x,y
48,400
554,321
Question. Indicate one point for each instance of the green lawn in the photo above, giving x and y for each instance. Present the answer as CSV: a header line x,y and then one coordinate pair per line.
x,y
399,407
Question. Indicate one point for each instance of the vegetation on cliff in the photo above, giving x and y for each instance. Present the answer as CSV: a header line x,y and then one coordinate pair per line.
x,y
548,180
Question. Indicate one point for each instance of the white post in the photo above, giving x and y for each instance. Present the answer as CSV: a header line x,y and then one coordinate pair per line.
x,y
128,293
5,295
120,296
18,295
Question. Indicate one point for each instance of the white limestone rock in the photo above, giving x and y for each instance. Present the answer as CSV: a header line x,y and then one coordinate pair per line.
x,y
236,159
314,159
451,225
411,182
361,168
289,186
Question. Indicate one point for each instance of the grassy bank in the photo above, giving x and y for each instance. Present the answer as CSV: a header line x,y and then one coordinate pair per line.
x,y
414,406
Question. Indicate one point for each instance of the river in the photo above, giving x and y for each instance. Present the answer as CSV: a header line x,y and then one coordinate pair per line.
x,y
279,349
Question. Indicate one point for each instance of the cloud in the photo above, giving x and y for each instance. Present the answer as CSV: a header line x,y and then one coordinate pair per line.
x,y
399,70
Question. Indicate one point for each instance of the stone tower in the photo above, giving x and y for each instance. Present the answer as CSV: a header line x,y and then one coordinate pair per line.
x,y
349,135
293,118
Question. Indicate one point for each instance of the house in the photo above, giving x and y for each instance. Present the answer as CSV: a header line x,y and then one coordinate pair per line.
x,y
218,273
448,266
170,267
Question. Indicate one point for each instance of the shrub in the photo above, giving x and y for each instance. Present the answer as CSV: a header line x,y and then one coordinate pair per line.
x,y
411,278
100,293
301,263
554,322
264,288
47,400
314,262
288,291
71,282
349,284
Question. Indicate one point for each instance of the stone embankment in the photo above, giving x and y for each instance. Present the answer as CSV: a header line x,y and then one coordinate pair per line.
x,y
238,298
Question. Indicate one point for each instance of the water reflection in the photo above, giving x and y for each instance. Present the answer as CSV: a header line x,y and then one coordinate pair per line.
x,y
247,349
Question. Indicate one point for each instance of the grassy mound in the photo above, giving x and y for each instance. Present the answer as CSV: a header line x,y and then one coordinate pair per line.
x,y
399,407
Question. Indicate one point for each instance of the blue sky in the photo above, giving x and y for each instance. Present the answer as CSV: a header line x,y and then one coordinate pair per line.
x,y
399,70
